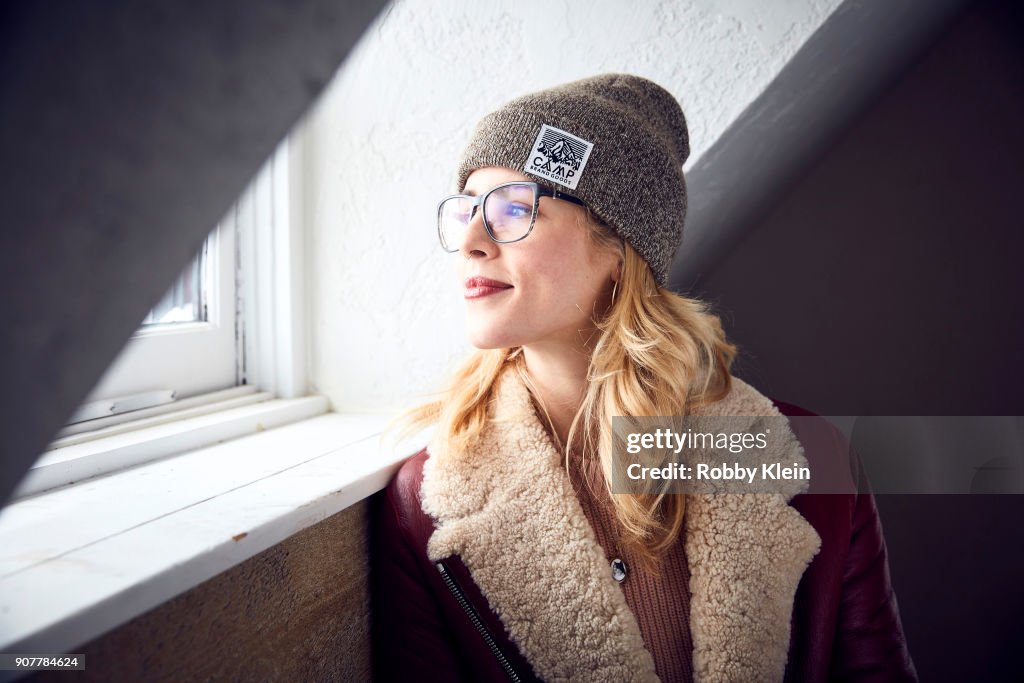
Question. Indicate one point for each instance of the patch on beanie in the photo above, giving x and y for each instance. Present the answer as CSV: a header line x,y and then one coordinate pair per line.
x,y
558,156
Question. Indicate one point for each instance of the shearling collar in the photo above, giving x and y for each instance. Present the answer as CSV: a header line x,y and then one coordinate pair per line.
x,y
508,510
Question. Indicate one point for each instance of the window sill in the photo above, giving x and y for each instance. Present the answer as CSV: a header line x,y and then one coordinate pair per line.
x,y
74,563
130,444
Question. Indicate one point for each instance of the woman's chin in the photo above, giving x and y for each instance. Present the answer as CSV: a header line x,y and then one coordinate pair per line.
x,y
484,339
485,343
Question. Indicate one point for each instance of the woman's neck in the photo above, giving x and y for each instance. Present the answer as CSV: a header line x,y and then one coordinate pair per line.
x,y
559,376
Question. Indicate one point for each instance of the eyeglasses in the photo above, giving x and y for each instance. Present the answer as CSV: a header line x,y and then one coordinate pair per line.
x,y
509,211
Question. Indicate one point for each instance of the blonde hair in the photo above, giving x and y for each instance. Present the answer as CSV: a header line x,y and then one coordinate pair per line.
x,y
656,353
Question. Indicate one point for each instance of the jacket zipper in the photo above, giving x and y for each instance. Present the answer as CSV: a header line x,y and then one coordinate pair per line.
x,y
460,597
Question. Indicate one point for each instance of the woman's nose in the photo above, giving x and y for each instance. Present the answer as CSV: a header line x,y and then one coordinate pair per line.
x,y
476,242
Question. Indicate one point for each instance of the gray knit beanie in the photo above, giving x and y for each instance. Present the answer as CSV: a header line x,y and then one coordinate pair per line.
x,y
617,142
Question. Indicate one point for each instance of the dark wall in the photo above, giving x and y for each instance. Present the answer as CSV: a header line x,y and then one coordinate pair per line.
x,y
887,281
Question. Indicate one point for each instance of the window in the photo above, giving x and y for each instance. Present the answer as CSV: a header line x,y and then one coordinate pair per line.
x,y
231,318
186,345
229,333
186,300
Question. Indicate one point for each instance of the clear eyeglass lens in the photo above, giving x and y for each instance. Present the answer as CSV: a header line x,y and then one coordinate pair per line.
x,y
509,211
455,215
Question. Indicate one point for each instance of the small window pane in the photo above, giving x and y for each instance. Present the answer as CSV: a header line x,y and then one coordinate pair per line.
x,y
185,301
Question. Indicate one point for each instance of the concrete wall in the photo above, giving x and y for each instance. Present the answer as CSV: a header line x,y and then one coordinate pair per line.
x,y
379,148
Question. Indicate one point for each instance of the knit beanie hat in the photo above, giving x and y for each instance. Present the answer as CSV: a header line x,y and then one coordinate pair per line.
x,y
616,141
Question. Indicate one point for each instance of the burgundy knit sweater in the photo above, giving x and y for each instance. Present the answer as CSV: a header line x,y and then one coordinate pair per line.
x,y
659,599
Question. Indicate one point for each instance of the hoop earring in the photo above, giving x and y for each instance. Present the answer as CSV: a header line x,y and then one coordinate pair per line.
x,y
615,288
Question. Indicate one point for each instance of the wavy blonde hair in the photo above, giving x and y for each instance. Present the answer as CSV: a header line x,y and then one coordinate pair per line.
x,y
656,353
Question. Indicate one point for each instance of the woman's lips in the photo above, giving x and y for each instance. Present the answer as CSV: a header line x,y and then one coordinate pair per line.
x,y
478,287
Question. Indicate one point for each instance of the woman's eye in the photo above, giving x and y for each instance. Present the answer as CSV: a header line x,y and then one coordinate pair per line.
x,y
516,210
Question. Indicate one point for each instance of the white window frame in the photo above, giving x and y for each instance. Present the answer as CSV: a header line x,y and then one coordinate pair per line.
x,y
253,265
271,258
263,233
187,359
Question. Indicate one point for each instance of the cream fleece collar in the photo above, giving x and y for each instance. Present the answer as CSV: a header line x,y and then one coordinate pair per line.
x,y
509,511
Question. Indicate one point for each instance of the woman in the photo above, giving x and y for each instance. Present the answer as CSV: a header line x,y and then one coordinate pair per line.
x,y
500,551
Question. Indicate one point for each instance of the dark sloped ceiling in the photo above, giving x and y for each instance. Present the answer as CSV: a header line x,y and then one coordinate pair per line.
x,y
859,50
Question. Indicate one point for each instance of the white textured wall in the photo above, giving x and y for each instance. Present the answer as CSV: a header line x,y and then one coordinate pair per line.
x,y
385,312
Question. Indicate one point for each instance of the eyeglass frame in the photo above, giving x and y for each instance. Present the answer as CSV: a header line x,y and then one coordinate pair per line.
x,y
478,201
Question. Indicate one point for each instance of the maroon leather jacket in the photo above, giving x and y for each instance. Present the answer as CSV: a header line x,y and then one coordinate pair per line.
x,y
432,622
